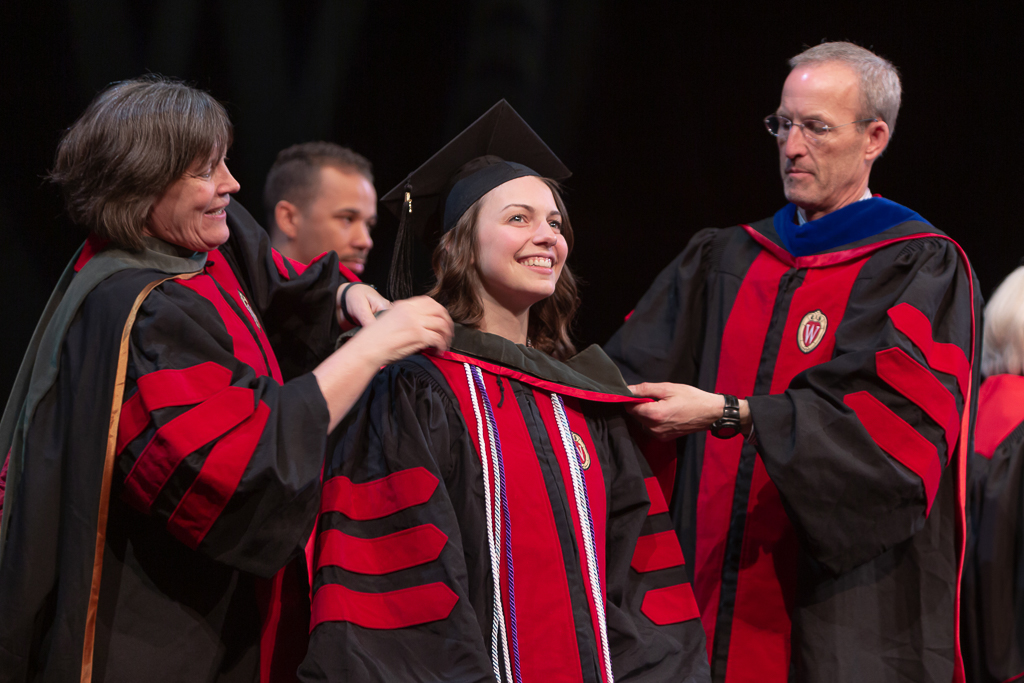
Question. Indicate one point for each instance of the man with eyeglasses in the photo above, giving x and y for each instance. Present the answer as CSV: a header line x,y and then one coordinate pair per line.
x,y
837,337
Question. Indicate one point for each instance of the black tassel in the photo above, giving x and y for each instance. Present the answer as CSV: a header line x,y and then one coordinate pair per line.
x,y
400,277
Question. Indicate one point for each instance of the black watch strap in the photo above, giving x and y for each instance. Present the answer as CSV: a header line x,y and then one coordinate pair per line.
x,y
728,425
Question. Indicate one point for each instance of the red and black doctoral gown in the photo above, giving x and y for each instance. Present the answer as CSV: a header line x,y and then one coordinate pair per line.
x,y
403,589
147,522
828,550
993,585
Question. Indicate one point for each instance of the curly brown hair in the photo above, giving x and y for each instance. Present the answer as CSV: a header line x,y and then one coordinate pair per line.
x,y
457,281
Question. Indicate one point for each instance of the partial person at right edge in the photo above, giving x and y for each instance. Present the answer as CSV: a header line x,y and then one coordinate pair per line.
x,y
827,546
993,585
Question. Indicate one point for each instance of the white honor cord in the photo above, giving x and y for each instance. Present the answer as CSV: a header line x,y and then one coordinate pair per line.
x,y
579,488
498,616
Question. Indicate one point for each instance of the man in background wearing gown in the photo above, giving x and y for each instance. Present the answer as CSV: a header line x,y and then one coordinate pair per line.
x,y
829,348
319,198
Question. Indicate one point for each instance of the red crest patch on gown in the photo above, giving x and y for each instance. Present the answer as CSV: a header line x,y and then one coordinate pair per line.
x,y
581,451
811,330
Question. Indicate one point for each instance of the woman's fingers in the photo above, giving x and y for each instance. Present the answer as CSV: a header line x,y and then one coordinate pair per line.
x,y
438,324
362,303
412,325
439,343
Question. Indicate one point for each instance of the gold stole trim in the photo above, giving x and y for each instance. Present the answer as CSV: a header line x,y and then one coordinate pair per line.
x,y
108,472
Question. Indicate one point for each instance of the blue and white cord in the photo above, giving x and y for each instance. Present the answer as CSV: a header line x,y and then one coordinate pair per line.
x,y
498,615
496,466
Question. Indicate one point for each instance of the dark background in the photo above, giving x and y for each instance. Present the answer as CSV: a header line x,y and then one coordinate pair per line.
x,y
656,106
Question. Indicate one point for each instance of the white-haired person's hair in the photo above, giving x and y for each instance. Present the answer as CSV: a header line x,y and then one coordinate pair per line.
x,y
1003,348
880,88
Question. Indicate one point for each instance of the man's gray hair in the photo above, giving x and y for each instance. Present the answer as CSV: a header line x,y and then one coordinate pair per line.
x,y
880,89
1003,346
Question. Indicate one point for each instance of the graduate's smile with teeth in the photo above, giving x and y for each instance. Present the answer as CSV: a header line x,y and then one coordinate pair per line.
x,y
537,261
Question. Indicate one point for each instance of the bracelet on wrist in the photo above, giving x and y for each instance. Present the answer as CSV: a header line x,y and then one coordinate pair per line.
x,y
344,307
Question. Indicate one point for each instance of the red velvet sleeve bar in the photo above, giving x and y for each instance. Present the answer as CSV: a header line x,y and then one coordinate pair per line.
x,y
380,498
897,438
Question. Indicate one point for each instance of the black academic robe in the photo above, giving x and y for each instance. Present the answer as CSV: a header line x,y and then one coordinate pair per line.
x,y
404,581
828,548
993,584
162,473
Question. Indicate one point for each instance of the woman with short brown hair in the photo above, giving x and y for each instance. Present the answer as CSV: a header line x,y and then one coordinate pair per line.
x,y
163,474
133,141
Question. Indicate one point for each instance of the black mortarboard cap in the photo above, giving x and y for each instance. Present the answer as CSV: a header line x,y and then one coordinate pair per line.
x,y
496,148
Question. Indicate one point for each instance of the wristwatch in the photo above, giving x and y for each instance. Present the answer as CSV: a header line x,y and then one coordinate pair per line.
x,y
728,425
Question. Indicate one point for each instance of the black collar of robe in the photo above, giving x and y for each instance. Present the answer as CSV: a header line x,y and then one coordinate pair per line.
x,y
590,370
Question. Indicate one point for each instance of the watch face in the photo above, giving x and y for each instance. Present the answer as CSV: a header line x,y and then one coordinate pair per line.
x,y
725,432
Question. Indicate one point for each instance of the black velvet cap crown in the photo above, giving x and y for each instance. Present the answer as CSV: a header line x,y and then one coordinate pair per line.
x,y
496,148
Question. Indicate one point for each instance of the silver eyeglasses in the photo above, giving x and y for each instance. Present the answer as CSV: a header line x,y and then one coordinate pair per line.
x,y
814,130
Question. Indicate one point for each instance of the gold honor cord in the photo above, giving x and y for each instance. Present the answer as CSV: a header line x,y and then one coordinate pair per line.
x,y
108,472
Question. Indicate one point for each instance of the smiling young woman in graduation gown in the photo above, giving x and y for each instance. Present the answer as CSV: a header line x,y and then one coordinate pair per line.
x,y
487,515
